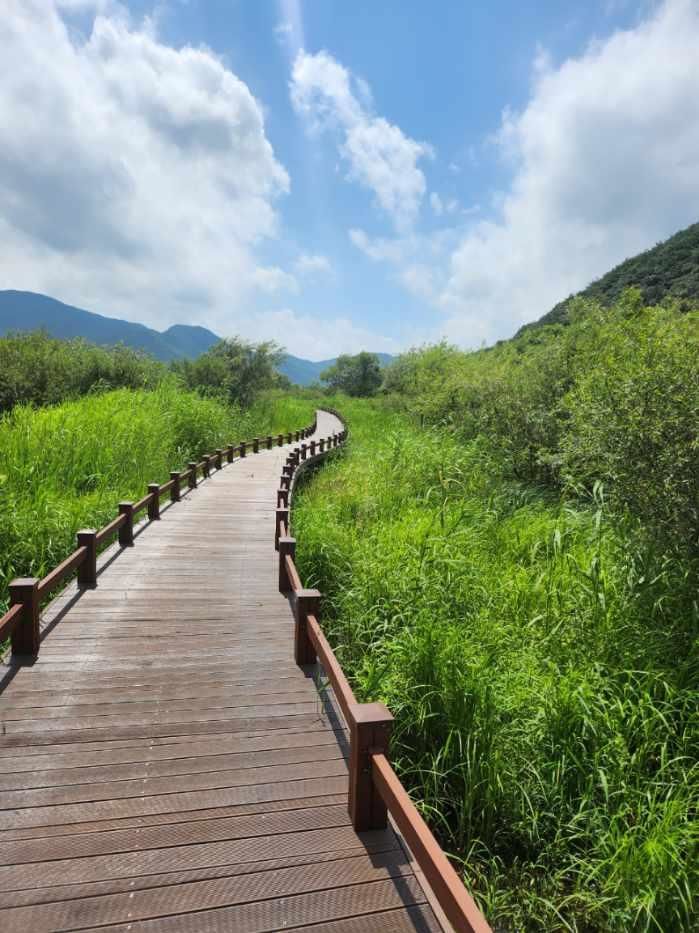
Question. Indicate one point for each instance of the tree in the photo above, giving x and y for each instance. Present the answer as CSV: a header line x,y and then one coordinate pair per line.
x,y
233,370
358,375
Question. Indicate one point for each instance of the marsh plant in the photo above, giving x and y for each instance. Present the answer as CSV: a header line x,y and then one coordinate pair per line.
x,y
539,655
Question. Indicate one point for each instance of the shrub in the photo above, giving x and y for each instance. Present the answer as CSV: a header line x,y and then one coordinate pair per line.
x,y
40,370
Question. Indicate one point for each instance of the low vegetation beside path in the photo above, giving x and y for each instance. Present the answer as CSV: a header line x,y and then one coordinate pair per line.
x,y
66,466
509,551
542,675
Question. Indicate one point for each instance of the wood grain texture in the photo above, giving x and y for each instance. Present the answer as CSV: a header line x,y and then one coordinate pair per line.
x,y
164,763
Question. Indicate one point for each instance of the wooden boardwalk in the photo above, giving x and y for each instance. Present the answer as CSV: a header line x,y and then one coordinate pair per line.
x,y
165,765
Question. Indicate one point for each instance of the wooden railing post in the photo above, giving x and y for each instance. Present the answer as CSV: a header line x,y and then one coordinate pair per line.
x,y
313,448
256,445
289,437
192,478
243,449
126,530
269,442
370,731
219,458
282,498
304,448
307,603
25,637
287,546
229,453
321,444
87,571
280,440
154,504
175,488
206,468
297,436
281,515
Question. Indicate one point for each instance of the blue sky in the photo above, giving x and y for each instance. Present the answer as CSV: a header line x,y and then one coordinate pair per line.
x,y
341,176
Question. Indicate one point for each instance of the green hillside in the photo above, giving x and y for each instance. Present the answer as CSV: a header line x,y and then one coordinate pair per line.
x,y
668,270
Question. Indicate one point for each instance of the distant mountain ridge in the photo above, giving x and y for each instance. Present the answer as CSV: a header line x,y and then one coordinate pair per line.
x,y
669,269
24,311
27,311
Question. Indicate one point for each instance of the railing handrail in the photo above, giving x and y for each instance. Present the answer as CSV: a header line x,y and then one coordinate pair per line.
x,y
374,787
21,621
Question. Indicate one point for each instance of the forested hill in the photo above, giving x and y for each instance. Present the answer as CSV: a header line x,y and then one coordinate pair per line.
x,y
670,269
27,311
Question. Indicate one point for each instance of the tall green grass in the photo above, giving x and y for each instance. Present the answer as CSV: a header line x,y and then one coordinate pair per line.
x,y
65,467
540,661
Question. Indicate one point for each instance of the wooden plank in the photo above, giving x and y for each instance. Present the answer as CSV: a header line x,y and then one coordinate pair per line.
x,y
90,792
169,803
165,835
210,894
265,916
180,747
181,857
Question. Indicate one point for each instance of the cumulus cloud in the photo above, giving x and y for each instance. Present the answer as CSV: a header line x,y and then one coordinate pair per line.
x,y
605,162
135,178
380,156
318,338
272,279
308,264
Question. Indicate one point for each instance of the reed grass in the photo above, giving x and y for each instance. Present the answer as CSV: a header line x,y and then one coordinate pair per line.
x,y
65,467
541,664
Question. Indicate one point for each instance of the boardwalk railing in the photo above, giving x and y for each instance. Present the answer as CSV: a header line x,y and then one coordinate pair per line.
x,y
21,621
374,787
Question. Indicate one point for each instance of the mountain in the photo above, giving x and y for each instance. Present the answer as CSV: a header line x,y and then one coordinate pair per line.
x,y
670,269
30,311
304,372
24,311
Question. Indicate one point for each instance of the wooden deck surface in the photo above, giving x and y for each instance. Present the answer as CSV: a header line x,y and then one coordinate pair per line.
x,y
164,764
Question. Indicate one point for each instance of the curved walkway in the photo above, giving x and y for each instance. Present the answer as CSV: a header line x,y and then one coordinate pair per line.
x,y
164,764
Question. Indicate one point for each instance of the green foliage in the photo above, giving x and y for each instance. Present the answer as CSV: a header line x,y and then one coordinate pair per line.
x,y
669,270
233,371
541,662
613,398
632,423
357,376
67,467
36,369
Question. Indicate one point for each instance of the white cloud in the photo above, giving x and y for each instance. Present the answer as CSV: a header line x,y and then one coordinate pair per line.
x,y
289,29
319,338
380,156
272,279
308,264
135,178
420,280
382,249
436,204
606,163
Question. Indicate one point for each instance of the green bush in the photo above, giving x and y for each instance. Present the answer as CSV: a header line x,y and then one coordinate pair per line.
x,y
40,370
633,422
612,398
233,371
540,663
